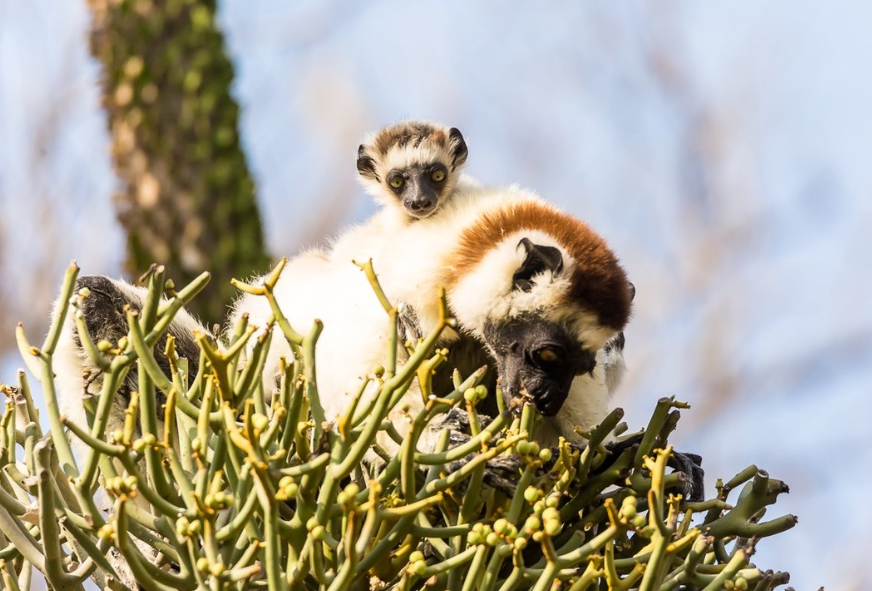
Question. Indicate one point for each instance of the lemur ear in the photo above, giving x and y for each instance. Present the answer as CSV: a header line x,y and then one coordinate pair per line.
x,y
538,259
459,151
365,163
632,291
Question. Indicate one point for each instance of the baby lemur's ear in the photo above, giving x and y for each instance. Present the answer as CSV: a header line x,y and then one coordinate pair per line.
x,y
365,163
538,259
459,151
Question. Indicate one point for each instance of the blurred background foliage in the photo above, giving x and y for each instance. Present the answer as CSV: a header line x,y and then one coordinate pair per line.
x,y
186,198
723,151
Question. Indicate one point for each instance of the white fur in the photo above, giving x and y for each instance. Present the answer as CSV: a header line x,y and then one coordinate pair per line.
x,y
487,292
586,405
355,335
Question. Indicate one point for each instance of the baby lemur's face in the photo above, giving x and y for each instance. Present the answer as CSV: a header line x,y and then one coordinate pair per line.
x,y
413,165
419,187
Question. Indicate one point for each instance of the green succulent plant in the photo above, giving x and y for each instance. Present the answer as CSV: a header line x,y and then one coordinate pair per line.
x,y
225,487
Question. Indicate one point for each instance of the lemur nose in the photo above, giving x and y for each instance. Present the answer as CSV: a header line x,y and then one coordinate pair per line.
x,y
424,203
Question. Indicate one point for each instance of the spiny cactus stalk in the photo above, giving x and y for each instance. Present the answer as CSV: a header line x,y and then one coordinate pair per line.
x,y
187,197
227,488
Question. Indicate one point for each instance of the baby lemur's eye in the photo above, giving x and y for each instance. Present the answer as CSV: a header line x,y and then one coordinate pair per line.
x,y
438,176
397,181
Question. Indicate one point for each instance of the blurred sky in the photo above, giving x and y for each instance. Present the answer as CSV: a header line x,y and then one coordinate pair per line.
x,y
722,149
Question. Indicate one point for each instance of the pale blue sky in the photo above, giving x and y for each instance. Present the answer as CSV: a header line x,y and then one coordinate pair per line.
x,y
722,149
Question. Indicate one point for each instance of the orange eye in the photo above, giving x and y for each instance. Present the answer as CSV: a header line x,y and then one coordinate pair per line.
x,y
548,355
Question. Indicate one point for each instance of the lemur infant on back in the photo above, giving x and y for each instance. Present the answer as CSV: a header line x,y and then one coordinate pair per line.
x,y
414,170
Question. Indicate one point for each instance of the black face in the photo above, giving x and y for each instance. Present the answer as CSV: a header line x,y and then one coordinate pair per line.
x,y
537,357
419,187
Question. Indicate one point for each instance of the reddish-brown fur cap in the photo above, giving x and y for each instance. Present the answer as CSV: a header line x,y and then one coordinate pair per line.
x,y
413,132
598,282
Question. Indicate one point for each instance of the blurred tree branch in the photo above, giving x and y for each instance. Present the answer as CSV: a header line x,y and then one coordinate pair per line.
x,y
187,197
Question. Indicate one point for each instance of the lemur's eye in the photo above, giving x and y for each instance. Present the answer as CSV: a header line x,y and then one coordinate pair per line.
x,y
397,181
547,355
438,176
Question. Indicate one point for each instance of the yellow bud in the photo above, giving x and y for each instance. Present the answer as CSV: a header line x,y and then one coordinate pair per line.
x,y
217,569
532,524
552,527
259,421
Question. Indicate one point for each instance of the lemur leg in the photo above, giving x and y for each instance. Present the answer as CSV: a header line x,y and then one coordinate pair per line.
x,y
502,472
105,316
688,464
106,319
